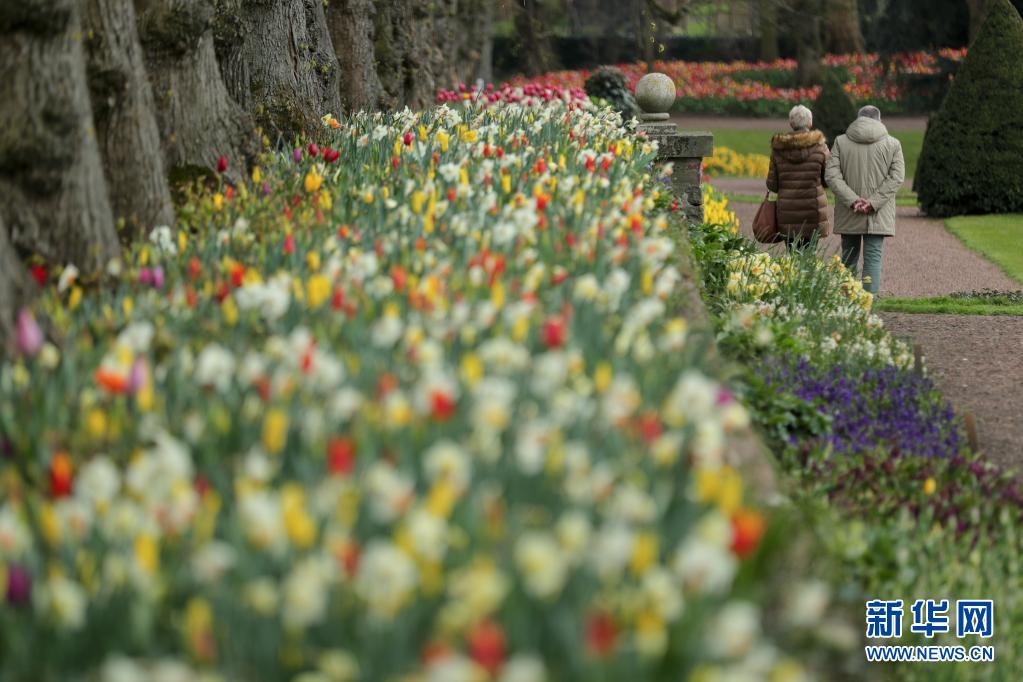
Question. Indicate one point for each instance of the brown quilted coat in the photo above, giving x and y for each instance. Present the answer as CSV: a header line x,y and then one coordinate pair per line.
x,y
798,161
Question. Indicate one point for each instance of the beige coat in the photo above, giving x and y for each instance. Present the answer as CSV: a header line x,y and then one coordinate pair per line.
x,y
866,162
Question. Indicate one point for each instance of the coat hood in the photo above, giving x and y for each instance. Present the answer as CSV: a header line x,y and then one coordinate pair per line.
x,y
798,140
866,131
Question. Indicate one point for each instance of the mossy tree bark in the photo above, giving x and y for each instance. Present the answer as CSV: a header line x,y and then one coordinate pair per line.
x,y
412,64
198,120
353,34
769,30
533,40
126,129
53,196
279,63
809,47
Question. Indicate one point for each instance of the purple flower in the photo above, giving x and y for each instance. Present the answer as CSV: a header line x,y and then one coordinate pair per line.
x,y
28,337
19,585
875,408
145,276
158,277
297,154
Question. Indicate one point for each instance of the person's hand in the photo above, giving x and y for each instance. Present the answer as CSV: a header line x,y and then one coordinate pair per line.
x,y
862,206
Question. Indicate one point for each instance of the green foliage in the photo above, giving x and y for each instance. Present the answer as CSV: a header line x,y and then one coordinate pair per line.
x,y
834,109
972,150
609,84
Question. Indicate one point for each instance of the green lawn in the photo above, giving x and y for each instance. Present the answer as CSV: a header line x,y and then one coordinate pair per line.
x,y
947,305
758,141
999,238
905,197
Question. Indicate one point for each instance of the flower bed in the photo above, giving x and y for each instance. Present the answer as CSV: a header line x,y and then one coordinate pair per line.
x,y
871,449
413,401
767,89
729,162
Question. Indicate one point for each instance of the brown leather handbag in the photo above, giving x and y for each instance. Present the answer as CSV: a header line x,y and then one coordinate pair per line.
x,y
765,222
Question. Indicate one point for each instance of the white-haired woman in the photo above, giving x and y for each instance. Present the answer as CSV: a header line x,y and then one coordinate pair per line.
x,y
798,160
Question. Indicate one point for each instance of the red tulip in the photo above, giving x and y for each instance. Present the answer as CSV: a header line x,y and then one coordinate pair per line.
x,y
442,405
341,456
222,164
554,332
486,644
60,475
747,530
39,274
601,633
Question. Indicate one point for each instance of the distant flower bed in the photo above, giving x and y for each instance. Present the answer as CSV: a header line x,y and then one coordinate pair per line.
x,y
526,94
767,88
735,164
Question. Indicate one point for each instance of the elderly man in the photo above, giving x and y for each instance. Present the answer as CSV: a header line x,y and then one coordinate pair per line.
x,y
865,172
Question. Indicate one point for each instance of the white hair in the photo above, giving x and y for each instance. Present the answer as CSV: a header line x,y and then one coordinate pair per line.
x,y
870,111
800,117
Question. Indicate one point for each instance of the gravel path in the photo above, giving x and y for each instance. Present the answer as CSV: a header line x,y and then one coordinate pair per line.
x,y
977,361
923,260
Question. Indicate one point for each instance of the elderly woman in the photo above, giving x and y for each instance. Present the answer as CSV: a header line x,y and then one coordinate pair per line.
x,y
798,160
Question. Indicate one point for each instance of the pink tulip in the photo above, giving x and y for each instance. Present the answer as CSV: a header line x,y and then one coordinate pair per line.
x,y
137,378
158,277
29,337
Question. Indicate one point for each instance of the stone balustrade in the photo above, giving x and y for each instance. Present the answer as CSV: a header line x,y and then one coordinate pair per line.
x,y
655,95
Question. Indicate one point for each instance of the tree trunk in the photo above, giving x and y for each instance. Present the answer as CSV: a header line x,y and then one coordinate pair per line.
x,y
280,66
534,45
485,69
405,51
122,105
768,30
809,48
843,21
353,35
471,24
53,197
198,120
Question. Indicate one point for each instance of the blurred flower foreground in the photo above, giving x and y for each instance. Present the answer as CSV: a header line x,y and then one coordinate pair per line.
x,y
415,402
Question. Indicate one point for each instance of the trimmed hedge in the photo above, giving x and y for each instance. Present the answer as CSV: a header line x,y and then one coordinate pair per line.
x,y
608,83
834,109
971,157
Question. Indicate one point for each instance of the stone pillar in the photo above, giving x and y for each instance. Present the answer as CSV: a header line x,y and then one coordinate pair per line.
x,y
655,95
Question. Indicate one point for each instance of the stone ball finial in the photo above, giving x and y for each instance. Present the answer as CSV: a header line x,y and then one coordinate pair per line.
x,y
655,94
